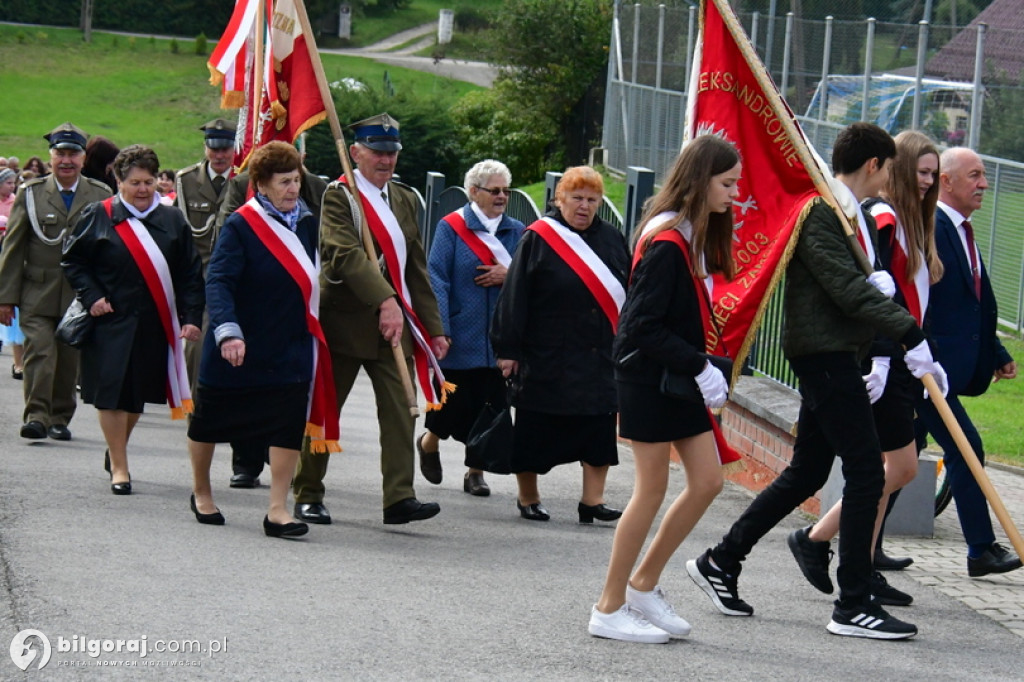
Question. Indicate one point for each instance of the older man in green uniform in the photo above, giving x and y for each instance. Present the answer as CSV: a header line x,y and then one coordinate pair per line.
x,y
44,213
362,318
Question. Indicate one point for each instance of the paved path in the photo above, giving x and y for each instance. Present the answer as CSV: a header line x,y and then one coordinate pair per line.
x,y
476,593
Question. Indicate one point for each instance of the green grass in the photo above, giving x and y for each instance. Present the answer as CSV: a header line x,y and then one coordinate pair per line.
x,y
137,91
466,46
998,415
378,24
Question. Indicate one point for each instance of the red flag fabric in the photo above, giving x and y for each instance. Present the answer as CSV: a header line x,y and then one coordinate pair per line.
x,y
291,102
727,99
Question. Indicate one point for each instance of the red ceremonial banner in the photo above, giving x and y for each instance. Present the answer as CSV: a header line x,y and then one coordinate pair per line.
x,y
728,100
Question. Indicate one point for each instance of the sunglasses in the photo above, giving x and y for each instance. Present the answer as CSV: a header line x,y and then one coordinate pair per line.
x,y
495,191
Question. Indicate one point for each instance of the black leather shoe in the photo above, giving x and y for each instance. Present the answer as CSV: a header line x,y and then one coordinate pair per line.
x,y
474,484
884,562
58,432
533,512
997,559
33,429
410,509
313,512
18,374
244,480
430,463
214,519
601,512
284,530
121,488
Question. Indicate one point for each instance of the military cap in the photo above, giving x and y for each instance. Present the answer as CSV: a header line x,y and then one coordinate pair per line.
x,y
378,132
66,136
220,134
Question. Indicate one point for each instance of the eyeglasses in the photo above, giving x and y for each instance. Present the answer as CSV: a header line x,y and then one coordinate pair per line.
x,y
495,191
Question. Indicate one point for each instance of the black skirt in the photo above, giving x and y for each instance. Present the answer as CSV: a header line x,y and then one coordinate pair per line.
x,y
273,415
543,441
894,411
648,416
474,388
145,375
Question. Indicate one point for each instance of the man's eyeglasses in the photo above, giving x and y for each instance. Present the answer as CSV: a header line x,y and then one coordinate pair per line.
x,y
495,191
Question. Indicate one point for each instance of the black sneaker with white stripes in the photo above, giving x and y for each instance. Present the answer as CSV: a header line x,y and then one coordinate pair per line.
x,y
870,621
718,585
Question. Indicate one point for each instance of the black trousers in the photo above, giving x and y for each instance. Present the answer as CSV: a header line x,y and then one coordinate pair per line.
x,y
835,420
249,456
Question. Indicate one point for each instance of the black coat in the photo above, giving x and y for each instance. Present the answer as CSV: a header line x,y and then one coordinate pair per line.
x,y
548,321
660,324
98,264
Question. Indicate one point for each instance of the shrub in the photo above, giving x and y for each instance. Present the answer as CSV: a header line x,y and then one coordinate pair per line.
x,y
201,44
174,46
469,19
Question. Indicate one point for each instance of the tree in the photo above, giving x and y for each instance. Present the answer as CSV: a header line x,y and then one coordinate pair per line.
x,y
554,53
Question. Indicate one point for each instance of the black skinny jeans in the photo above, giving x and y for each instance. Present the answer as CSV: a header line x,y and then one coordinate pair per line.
x,y
835,419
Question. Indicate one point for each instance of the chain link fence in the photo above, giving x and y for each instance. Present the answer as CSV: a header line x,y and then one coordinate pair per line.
x,y
651,52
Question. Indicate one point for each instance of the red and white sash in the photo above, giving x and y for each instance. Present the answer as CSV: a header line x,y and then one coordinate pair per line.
x,y
284,245
726,454
385,229
484,245
577,254
157,276
915,292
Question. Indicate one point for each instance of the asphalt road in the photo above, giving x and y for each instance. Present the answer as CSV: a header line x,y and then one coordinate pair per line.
x,y
475,593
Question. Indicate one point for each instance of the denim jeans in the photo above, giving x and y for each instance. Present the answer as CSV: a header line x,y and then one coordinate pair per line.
x,y
835,420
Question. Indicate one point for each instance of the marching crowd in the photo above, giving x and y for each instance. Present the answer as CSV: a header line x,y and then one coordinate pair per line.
x,y
249,303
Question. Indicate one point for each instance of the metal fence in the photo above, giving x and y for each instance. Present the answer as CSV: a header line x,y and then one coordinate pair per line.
x,y
645,107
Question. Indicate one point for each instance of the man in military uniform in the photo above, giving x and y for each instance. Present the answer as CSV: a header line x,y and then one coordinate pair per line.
x,y
44,213
248,458
362,318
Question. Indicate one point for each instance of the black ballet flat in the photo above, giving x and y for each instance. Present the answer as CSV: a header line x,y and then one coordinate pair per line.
x,y
284,530
214,519
121,488
601,512
533,512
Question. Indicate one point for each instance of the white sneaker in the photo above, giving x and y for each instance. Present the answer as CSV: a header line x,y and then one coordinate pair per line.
x,y
626,624
656,609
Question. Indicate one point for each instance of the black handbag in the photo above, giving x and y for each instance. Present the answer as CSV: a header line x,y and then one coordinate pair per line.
x,y
75,328
684,386
489,444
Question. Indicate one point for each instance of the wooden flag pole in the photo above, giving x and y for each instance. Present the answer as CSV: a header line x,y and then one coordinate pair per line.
x,y
257,75
339,142
974,464
782,113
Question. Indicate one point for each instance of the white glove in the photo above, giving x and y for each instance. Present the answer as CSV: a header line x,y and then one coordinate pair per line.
x,y
920,362
941,379
875,380
882,280
713,386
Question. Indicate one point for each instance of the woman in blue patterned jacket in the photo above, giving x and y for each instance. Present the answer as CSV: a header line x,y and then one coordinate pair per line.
x,y
468,259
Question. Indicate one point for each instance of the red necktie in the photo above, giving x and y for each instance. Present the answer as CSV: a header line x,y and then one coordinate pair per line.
x,y
972,253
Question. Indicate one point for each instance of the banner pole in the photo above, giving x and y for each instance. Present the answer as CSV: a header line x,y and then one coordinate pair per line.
x,y
346,164
975,465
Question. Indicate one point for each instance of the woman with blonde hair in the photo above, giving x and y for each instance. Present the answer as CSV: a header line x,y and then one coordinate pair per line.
x,y
553,329
685,237
905,216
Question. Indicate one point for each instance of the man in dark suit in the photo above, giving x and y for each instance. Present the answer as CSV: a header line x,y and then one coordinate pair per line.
x,y
44,213
961,320
362,319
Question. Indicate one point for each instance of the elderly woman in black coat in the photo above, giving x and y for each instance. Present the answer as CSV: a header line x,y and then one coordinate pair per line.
x,y
132,263
553,328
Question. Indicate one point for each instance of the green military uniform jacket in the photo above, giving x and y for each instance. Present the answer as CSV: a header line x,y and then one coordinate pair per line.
x,y
30,273
199,201
353,287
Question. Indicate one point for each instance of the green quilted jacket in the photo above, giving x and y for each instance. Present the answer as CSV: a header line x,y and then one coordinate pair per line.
x,y
829,304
